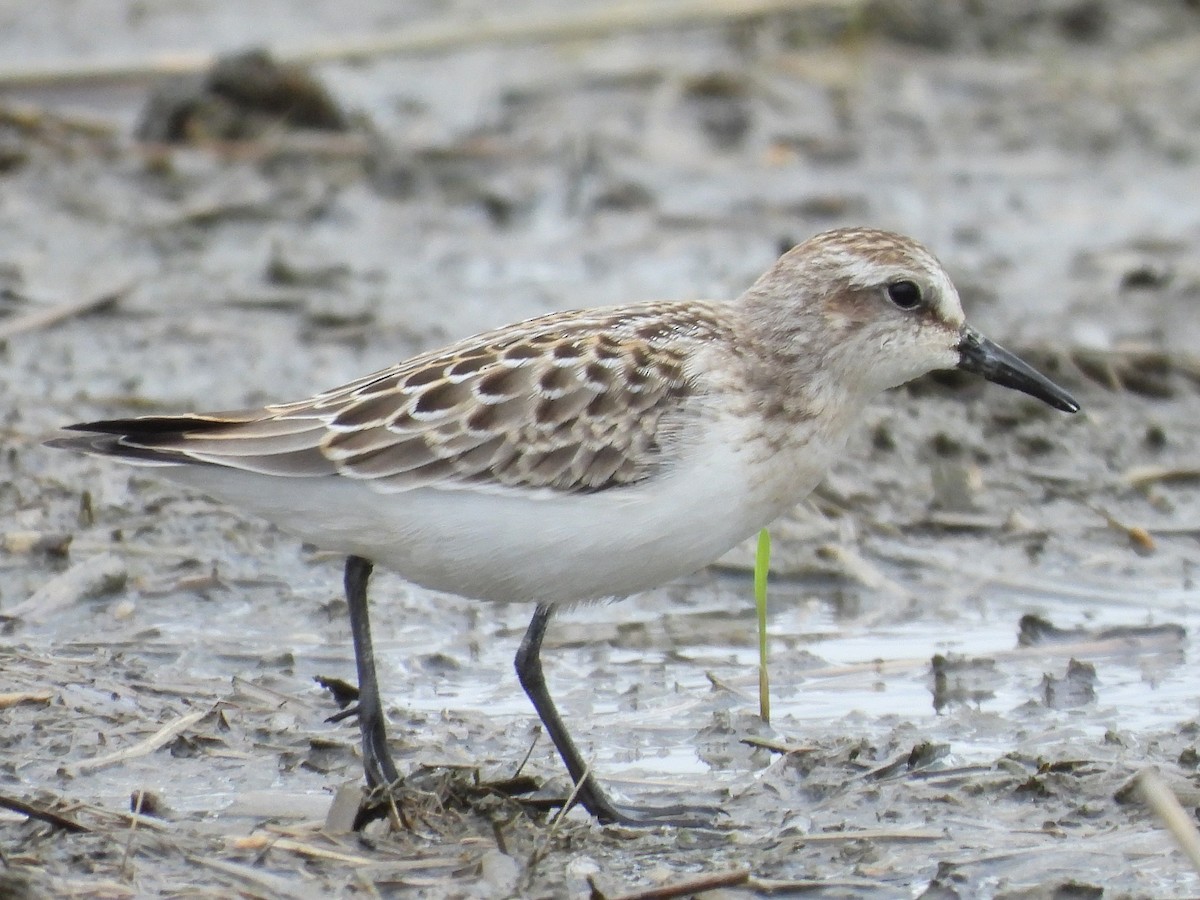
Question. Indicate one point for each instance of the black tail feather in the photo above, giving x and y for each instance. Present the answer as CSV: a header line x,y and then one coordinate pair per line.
x,y
164,426
100,444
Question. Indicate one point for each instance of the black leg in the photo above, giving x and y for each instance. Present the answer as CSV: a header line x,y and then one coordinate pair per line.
x,y
594,799
377,761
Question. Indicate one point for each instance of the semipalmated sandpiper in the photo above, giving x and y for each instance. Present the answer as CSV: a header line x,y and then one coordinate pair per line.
x,y
584,454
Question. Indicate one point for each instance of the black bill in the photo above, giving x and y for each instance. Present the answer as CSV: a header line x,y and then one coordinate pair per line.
x,y
979,355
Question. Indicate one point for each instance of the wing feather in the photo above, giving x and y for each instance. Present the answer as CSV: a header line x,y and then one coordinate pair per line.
x,y
576,401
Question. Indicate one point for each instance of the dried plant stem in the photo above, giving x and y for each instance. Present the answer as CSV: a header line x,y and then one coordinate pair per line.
x,y
1160,798
430,37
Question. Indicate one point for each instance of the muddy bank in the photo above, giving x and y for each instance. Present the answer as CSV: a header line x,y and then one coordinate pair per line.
x,y
1049,157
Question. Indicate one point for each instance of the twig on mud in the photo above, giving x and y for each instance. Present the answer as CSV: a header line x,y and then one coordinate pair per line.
x,y
26,541
1162,800
568,25
383,795
777,746
16,698
140,796
1145,476
867,834
543,844
144,821
1139,537
267,697
273,885
854,566
571,797
95,576
432,37
798,885
686,888
141,748
396,817
42,815
528,753
43,318
29,118
260,843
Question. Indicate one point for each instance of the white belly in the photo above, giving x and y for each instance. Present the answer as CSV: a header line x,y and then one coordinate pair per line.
x,y
548,547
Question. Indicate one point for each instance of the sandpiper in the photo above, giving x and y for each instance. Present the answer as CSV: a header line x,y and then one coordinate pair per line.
x,y
586,454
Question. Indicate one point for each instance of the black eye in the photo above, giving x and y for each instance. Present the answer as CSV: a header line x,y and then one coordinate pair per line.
x,y
905,294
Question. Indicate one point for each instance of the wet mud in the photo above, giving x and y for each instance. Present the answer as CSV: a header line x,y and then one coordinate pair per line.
x,y
982,624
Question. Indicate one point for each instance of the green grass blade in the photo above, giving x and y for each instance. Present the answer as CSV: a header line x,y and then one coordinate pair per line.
x,y
762,563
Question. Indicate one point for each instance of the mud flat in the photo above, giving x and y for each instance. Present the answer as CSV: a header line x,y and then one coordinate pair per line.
x,y
929,737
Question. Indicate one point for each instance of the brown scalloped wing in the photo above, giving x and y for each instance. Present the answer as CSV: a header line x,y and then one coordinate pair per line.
x,y
576,401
